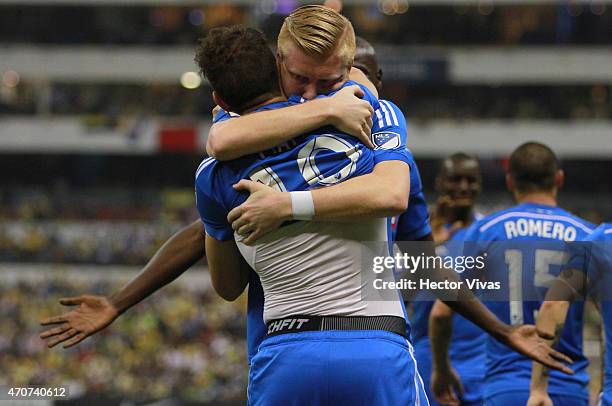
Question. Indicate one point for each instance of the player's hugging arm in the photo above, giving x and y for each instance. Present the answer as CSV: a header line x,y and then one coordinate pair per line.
x,y
382,193
259,131
228,269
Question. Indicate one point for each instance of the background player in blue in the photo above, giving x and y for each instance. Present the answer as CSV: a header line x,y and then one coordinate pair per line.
x,y
588,271
528,236
285,168
459,183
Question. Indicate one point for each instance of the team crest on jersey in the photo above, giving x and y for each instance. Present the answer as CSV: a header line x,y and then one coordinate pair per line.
x,y
386,140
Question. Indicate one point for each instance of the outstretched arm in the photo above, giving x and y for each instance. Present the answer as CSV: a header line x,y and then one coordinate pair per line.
x,y
251,133
95,313
383,192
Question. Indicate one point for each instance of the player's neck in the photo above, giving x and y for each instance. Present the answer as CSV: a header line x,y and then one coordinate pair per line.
x,y
263,100
543,198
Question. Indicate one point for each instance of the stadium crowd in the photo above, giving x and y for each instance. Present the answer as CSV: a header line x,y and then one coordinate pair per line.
x,y
114,227
167,347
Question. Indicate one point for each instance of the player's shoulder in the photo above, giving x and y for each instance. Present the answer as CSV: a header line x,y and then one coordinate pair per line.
x,y
392,108
488,222
205,171
602,233
583,227
389,115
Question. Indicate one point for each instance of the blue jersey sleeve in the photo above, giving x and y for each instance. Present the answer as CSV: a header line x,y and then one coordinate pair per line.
x,y
389,130
413,224
212,211
223,115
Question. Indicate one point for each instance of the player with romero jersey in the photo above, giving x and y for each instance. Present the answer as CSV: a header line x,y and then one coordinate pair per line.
x,y
525,248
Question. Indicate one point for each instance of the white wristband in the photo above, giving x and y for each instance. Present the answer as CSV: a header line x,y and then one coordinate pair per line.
x,y
302,205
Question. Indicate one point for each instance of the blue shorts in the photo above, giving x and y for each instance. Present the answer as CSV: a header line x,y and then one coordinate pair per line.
x,y
520,398
335,368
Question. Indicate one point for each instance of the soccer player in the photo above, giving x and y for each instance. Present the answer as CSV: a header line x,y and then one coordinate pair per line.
x,y
589,269
311,272
459,183
525,248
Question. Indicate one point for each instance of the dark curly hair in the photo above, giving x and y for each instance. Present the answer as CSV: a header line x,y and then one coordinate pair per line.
x,y
239,65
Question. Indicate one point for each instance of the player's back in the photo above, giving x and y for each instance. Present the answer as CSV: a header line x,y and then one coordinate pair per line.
x,y
316,269
525,248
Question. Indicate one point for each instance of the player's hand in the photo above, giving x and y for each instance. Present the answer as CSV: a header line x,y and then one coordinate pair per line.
x,y
440,218
265,210
351,114
92,314
539,398
525,340
445,385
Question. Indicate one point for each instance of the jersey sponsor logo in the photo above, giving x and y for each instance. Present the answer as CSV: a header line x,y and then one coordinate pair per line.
x,y
386,140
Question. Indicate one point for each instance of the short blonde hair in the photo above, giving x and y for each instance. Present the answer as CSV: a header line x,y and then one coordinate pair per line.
x,y
318,31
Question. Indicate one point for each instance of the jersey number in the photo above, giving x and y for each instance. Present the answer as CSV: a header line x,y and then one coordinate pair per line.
x,y
307,164
542,278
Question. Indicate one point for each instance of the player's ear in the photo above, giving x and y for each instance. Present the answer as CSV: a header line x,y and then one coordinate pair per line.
x,y
559,178
219,101
509,182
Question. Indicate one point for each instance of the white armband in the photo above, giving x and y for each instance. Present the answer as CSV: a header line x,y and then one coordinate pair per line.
x,y
302,205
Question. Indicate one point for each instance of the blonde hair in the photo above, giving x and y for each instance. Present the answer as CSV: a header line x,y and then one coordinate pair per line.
x,y
318,31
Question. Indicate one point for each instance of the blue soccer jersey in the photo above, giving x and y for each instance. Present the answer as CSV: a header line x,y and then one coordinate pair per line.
x,y
525,249
595,259
319,159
